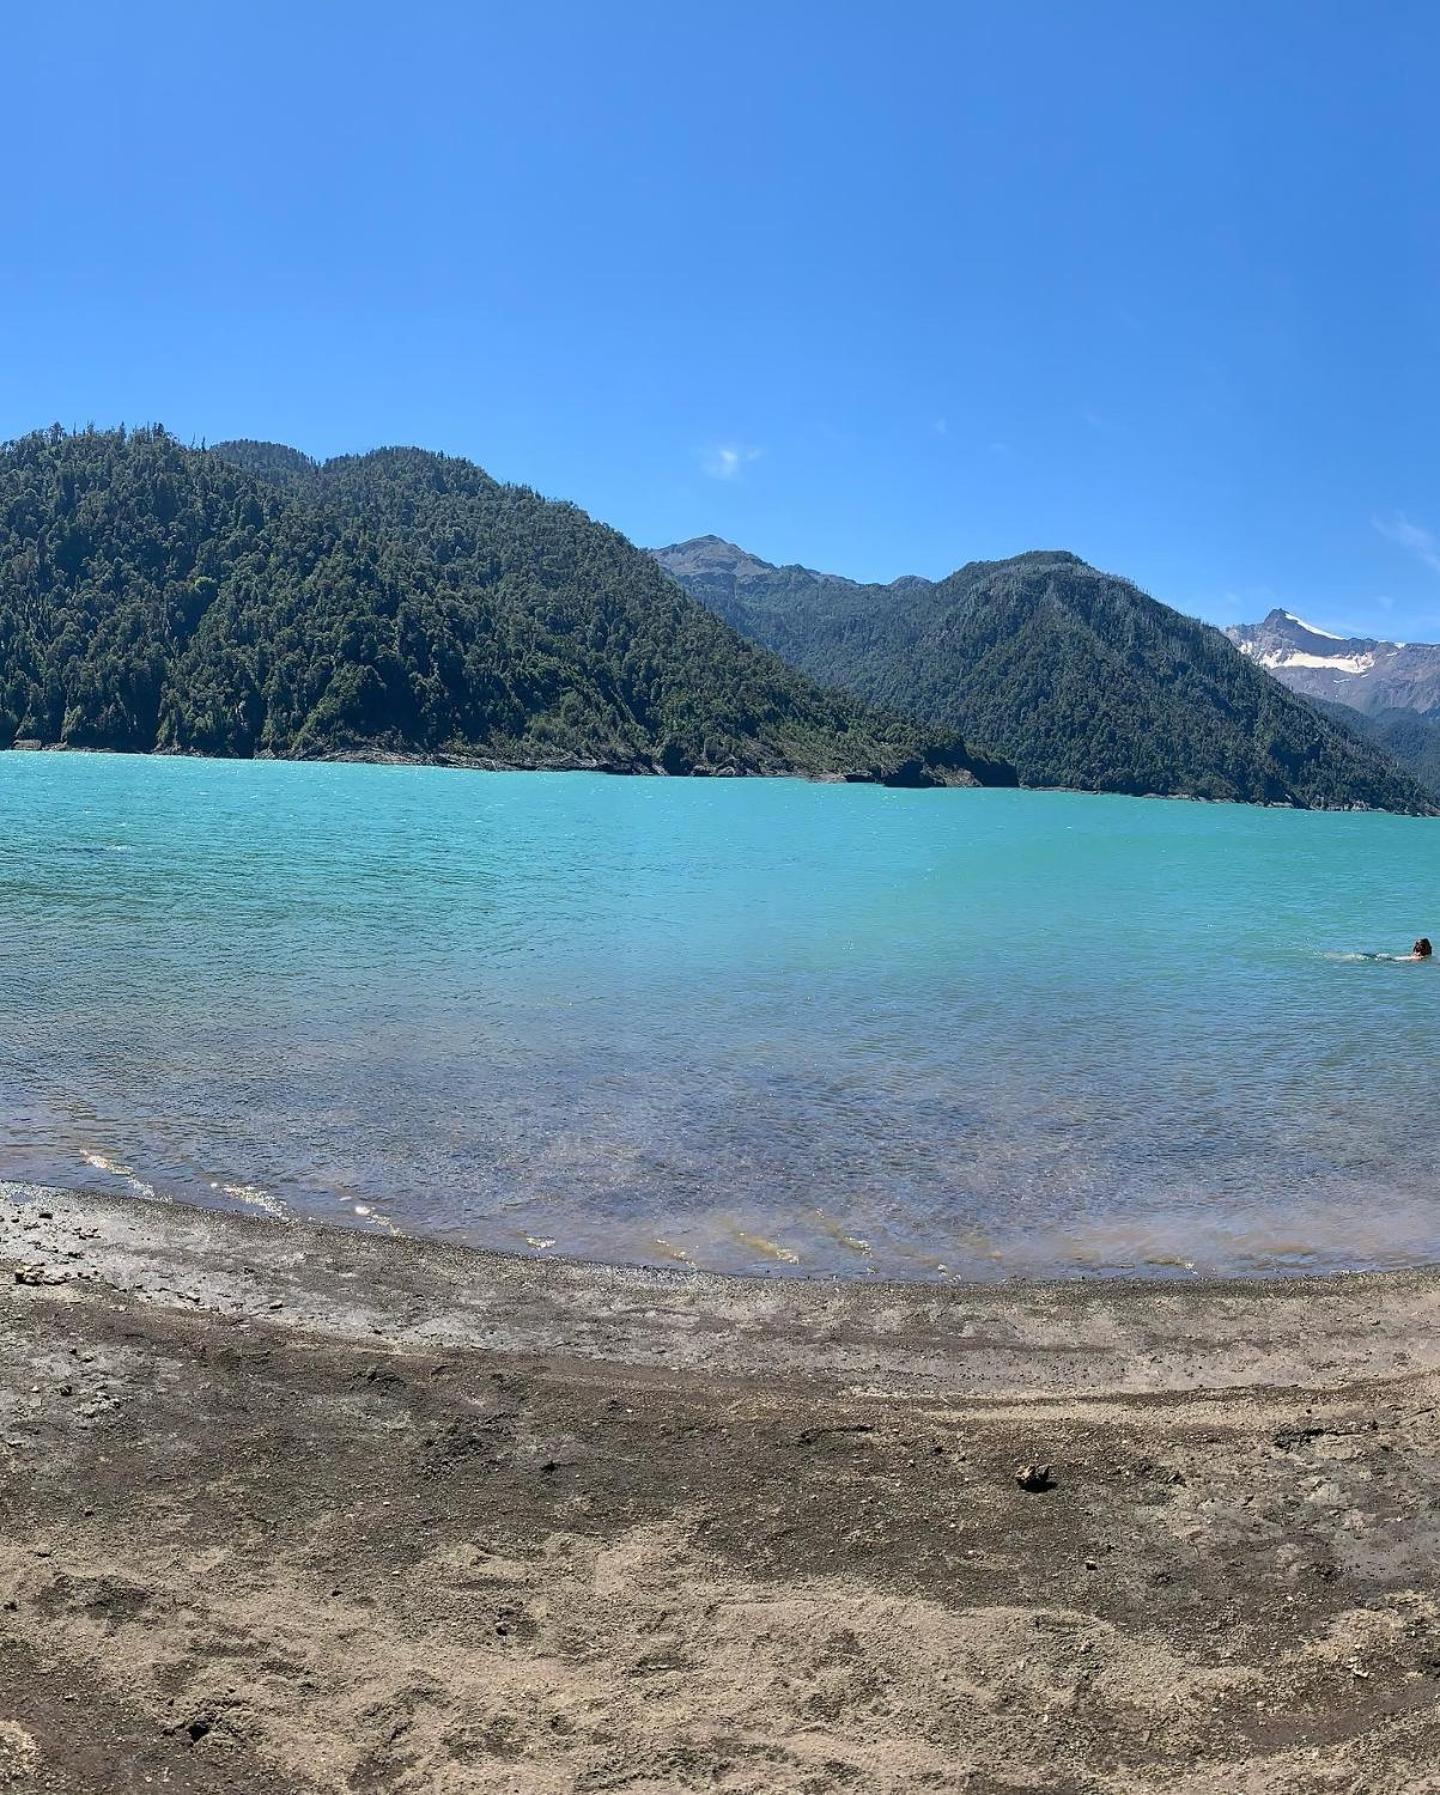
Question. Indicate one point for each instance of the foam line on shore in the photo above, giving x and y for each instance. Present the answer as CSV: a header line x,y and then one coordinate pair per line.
x,y
1058,1341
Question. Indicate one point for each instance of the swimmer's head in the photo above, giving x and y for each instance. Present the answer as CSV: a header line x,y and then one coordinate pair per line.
x,y
1422,949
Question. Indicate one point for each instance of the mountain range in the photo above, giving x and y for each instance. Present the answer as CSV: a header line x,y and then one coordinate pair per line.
x,y
245,600
1361,671
1387,692
1075,677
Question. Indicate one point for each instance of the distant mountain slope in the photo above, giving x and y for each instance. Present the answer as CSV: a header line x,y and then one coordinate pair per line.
x,y
1361,671
731,582
1076,677
723,569
246,600
783,607
1407,737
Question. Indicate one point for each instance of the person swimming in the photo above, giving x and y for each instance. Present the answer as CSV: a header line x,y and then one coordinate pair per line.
x,y
1420,950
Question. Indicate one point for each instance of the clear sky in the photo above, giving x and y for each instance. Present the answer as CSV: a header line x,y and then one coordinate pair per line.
x,y
878,287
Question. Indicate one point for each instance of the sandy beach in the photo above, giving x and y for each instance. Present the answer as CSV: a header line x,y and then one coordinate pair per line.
x,y
291,1508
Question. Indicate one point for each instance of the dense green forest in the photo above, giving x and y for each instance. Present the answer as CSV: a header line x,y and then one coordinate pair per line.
x,y
245,600
1074,676
1407,736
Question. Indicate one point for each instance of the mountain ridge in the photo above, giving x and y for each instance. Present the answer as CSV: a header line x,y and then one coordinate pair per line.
x,y
1076,677
246,600
1386,692
1368,673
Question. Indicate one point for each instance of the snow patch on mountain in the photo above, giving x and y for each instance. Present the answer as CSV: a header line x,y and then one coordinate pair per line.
x,y
1314,629
1333,663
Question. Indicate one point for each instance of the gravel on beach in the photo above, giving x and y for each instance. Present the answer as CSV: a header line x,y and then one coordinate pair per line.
x,y
289,1508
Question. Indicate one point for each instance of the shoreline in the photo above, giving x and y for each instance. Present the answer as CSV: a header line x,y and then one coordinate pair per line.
x,y
1168,1273
912,774
290,1506
1015,1334
486,764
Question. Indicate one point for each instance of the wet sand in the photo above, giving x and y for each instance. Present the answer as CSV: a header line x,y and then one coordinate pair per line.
x,y
290,1508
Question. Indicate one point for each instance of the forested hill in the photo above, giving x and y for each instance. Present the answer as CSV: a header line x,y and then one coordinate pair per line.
x,y
246,600
1405,735
1076,677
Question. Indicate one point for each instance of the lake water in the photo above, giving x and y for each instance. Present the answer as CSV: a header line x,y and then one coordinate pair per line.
x,y
749,1024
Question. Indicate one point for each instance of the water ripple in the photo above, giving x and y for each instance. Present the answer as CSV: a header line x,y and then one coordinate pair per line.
x,y
745,1025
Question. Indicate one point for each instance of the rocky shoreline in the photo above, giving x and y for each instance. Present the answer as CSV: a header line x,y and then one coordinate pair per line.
x,y
288,1507
908,772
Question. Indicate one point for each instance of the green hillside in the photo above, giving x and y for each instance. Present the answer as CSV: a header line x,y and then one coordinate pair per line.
x,y
1405,735
246,600
1076,677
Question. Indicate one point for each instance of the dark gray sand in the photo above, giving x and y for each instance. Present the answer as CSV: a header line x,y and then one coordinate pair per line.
x,y
286,1508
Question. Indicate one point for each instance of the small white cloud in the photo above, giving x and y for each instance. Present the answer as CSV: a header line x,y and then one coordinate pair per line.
x,y
1422,543
942,426
727,461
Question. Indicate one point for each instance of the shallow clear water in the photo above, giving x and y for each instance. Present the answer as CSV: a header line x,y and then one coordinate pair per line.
x,y
758,1024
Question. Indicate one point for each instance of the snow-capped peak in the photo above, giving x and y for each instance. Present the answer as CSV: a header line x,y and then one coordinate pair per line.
x,y
1314,628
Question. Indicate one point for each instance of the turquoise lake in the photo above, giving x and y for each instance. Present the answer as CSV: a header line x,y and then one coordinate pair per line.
x,y
752,1025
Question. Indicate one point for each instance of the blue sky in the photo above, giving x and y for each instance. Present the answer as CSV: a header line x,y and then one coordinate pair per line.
x,y
878,288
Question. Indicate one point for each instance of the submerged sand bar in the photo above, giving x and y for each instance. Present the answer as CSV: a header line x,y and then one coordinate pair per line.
x,y
293,1508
